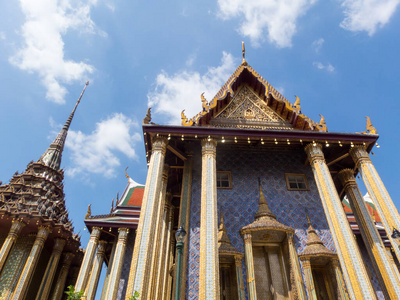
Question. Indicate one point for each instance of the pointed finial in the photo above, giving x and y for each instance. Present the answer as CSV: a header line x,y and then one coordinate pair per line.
x,y
53,154
89,212
244,55
112,205
263,209
147,118
126,174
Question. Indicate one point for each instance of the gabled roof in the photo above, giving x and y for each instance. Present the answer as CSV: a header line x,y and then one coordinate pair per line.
x,y
270,99
127,209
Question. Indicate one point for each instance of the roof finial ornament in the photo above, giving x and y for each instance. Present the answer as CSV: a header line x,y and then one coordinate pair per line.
x,y
370,129
147,118
126,174
322,125
296,105
244,55
89,212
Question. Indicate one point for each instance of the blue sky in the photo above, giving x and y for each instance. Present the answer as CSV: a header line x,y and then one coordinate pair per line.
x,y
341,57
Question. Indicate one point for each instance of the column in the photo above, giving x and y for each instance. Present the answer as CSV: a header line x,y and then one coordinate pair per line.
x,y
16,227
309,279
294,262
96,271
184,213
116,268
142,252
87,260
110,263
30,264
62,277
209,260
339,281
355,274
239,277
248,254
160,209
167,285
388,278
45,286
162,252
380,196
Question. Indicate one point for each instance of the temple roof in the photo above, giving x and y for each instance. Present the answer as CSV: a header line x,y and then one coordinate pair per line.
x,y
253,103
315,247
126,211
224,244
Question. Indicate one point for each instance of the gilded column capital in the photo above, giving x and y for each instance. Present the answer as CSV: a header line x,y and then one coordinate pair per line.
x,y
359,154
160,144
346,177
59,245
247,238
16,226
306,263
314,152
335,263
42,234
95,234
165,173
208,147
238,260
101,250
122,234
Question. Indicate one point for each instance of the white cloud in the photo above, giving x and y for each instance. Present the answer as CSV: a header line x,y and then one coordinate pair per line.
x,y
328,67
182,90
42,52
317,44
97,152
276,19
2,35
367,15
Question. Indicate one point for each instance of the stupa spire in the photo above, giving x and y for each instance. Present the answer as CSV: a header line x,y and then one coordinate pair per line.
x,y
263,209
52,156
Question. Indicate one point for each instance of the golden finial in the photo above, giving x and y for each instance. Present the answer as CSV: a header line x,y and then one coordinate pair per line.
x,y
112,206
296,105
89,212
244,54
370,129
322,125
126,174
147,118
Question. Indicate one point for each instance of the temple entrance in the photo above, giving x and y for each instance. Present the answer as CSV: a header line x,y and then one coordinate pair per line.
x,y
271,276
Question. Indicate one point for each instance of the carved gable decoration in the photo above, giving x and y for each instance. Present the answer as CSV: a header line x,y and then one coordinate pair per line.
x,y
247,110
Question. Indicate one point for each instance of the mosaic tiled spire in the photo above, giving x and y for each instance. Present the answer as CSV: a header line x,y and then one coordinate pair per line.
x,y
224,243
52,156
265,219
263,209
314,246
39,191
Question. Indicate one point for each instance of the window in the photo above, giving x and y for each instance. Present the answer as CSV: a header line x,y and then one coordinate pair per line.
x,y
296,182
224,180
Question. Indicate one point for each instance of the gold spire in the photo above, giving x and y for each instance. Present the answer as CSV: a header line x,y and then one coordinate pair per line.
x,y
263,209
224,244
244,55
52,156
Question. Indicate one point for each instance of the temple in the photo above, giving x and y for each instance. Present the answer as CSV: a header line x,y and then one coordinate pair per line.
x,y
263,203
248,199
40,254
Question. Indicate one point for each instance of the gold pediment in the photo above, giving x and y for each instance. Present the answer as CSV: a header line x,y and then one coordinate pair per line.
x,y
247,110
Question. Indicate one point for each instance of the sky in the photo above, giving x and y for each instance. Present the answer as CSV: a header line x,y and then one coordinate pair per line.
x,y
340,57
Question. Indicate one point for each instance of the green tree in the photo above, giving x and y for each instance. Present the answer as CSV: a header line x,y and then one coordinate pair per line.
x,y
72,295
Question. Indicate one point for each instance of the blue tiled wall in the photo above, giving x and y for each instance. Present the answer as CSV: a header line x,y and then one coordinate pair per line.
x,y
240,203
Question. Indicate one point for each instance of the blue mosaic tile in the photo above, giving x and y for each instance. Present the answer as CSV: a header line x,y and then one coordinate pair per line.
x,y
240,203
